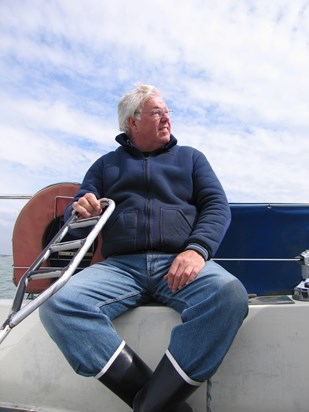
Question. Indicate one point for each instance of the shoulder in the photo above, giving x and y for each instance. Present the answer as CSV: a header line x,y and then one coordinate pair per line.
x,y
110,155
190,152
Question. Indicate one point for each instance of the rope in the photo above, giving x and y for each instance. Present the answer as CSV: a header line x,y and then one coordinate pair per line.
x,y
208,395
296,259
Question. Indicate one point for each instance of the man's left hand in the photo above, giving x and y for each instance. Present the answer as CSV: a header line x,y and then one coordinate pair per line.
x,y
184,269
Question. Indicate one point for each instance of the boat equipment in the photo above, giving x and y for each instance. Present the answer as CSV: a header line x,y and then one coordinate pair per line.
x,y
301,291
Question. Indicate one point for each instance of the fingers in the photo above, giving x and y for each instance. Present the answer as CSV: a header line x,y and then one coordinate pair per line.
x,y
179,278
88,205
184,269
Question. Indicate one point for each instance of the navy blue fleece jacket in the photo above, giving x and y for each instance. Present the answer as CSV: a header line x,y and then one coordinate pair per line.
x,y
167,200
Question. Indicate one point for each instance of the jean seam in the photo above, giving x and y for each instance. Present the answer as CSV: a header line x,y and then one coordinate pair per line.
x,y
116,299
173,302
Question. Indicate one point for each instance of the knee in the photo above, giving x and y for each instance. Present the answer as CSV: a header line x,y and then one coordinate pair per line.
x,y
54,308
235,297
48,310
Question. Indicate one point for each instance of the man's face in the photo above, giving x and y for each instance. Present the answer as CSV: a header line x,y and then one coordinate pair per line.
x,y
150,129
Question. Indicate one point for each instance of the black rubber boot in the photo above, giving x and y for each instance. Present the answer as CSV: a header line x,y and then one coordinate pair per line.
x,y
166,391
126,375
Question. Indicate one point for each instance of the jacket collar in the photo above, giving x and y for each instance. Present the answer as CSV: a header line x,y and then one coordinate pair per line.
x,y
125,141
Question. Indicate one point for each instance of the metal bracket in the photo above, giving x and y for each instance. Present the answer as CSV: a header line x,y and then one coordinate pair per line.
x,y
301,291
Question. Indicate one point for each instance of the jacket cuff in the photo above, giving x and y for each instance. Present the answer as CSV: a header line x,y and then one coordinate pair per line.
x,y
199,249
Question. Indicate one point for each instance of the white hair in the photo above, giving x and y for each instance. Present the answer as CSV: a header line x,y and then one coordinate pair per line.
x,y
132,101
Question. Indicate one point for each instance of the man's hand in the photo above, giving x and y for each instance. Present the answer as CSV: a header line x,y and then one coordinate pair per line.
x,y
88,206
184,269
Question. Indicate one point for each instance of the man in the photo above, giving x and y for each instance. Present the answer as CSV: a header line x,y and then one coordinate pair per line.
x,y
171,215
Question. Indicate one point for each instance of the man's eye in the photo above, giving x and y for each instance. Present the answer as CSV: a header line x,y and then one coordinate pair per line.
x,y
156,112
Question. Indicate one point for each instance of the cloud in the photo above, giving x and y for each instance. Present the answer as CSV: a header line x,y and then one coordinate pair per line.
x,y
235,74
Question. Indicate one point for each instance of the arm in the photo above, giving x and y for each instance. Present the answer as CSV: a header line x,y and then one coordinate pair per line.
x,y
213,221
214,214
86,201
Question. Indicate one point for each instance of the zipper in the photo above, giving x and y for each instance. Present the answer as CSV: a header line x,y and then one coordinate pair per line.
x,y
148,201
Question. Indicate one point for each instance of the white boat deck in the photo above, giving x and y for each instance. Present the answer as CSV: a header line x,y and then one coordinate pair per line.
x,y
266,369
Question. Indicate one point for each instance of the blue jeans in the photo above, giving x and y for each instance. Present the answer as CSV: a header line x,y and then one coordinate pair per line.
x,y
79,316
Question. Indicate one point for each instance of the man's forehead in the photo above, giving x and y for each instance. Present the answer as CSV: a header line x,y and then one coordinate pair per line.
x,y
154,102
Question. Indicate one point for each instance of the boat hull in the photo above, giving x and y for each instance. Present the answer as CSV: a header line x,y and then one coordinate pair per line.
x,y
265,370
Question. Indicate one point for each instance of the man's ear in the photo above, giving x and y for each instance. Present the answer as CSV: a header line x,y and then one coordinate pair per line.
x,y
132,123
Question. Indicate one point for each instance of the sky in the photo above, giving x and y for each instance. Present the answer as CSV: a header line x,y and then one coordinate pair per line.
x,y
234,72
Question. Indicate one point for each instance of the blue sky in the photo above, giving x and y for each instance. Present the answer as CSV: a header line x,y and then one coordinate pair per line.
x,y
235,74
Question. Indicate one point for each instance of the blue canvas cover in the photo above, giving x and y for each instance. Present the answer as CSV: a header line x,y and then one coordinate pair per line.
x,y
276,231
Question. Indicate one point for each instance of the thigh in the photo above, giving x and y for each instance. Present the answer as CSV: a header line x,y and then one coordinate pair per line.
x,y
102,287
211,281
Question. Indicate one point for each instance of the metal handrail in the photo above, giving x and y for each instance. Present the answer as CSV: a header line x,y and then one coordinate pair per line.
x,y
19,313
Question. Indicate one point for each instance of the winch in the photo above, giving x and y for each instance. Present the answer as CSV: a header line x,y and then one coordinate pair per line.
x,y
301,291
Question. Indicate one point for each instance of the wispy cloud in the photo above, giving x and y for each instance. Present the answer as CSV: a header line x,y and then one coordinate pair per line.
x,y
234,72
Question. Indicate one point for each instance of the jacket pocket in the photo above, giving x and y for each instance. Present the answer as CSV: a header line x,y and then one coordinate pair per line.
x,y
122,229
175,227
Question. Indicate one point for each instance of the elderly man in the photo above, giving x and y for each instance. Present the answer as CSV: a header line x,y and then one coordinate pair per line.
x,y
171,215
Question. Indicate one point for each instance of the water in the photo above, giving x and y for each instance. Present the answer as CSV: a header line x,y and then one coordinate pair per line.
x,y
7,287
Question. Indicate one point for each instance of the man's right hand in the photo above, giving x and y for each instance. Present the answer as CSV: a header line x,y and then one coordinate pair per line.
x,y
88,206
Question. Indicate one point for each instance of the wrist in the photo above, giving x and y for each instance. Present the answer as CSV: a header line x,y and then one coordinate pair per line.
x,y
199,249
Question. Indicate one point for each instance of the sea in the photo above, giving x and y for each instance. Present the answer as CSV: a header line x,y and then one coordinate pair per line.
x,y
7,287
